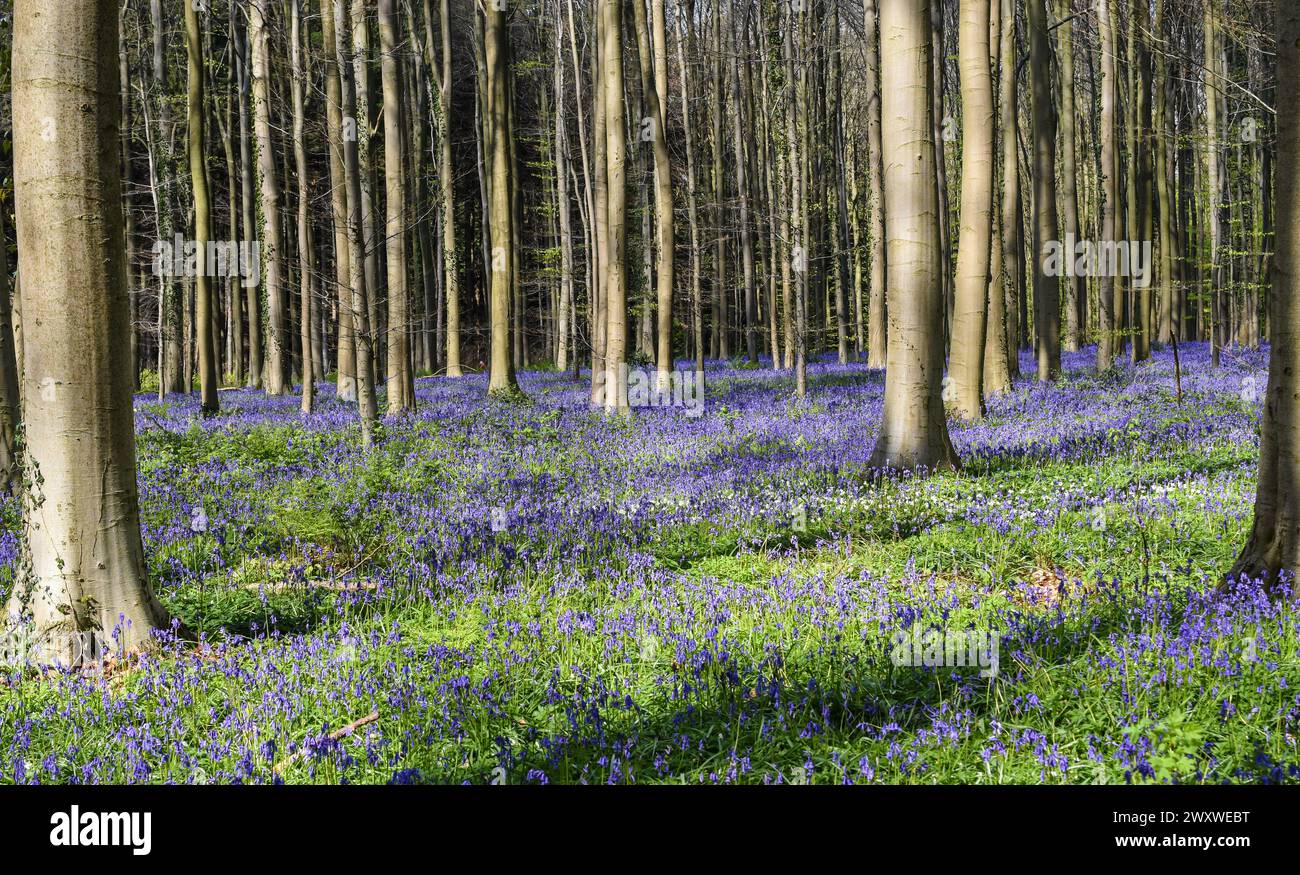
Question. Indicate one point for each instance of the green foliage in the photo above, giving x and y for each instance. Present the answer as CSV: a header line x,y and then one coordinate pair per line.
x,y
800,594
245,610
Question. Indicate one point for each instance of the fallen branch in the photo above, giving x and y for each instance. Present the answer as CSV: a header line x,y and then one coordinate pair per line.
x,y
332,585
334,736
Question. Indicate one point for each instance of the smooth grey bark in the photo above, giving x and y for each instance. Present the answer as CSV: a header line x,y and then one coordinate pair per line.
x,y
169,295
611,38
1076,286
496,42
346,357
269,183
877,333
367,406
306,262
203,298
1013,231
997,375
1107,321
914,426
1047,304
1274,543
401,384
566,302
85,572
248,200
742,190
450,256
970,311
692,206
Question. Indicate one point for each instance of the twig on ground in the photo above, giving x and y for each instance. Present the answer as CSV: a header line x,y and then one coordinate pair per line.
x,y
334,736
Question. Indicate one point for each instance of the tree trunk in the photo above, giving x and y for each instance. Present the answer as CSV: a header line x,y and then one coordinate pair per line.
x,y
1047,305
247,201
501,377
450,258
1076,285
401,385
914,427
1215,176
937,55
1013,230
367,406
562,349
650,88
129,233
270,195
970,314
1164,199
346,380
1106,340
842,320
85,574
235,293
1142,230
720,342
306,268
600,219
876,299
169,295
208,376
770,186
692,206
796,122
742,190
997,376
1274,544
611,71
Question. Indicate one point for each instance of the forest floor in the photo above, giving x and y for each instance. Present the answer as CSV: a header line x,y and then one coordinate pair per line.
x,y
520,592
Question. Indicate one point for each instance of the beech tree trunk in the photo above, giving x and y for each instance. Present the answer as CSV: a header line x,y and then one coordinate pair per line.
x,y
600,218
1075,286
450,257
272,253
306,268
1215,175
247,202
1047,305
203,321
876,299
655,88
367,406
1107,329
692,206
914,426
1274,543
346,379
997,374
86,575
401,384
611,70
501,375
970,313
742,190
1013,229
1163,184
364,128
566,303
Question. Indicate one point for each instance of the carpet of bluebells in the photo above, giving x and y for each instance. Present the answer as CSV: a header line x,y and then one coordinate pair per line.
x,y
528,592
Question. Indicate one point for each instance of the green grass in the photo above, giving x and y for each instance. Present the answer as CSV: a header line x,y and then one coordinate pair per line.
x,y
781,633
